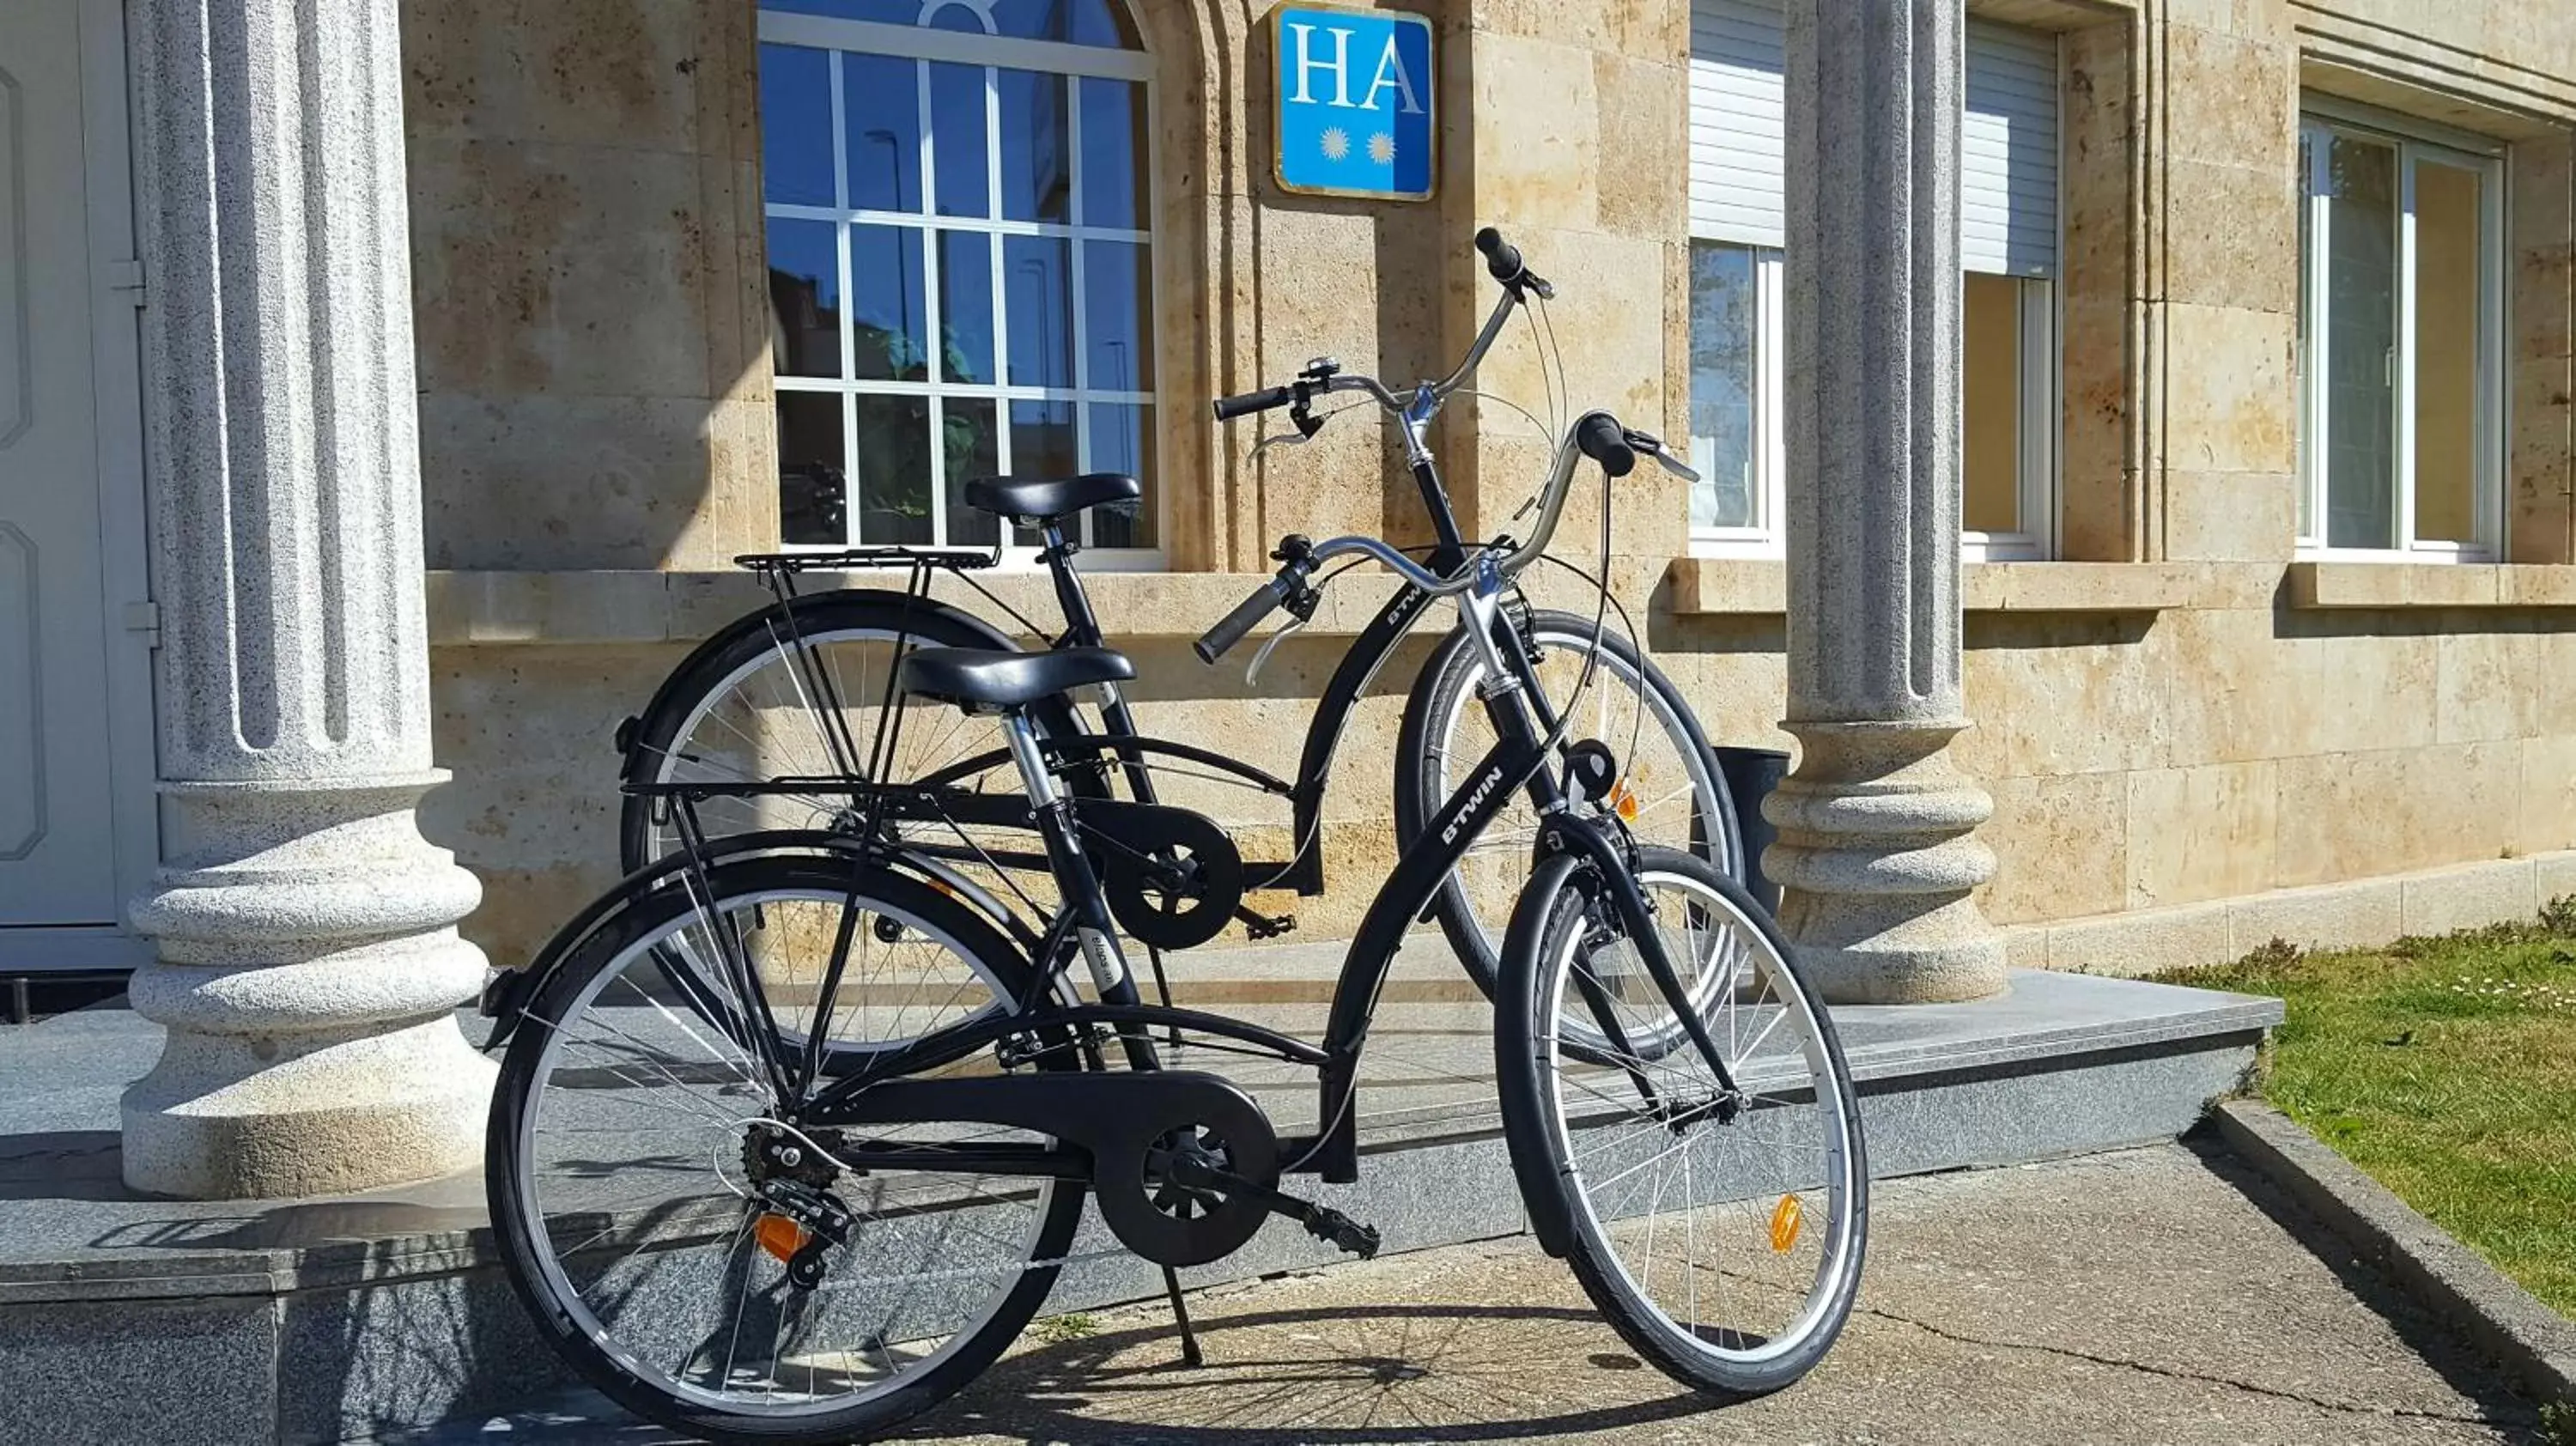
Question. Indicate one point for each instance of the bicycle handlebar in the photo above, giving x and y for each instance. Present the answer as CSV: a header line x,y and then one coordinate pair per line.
x,y
1247,615
1247,403
1596,435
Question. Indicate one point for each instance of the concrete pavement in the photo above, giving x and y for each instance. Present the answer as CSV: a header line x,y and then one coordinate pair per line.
x,y
2150,1296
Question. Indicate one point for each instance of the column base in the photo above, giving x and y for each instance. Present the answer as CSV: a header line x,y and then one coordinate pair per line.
x,y
216,1121
308,975
1878,864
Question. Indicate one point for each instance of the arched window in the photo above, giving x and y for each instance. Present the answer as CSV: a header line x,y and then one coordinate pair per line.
x,y
959,250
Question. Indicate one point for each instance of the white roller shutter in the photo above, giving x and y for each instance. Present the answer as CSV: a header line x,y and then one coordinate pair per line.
x,y
2008,173
2008,153
1736,140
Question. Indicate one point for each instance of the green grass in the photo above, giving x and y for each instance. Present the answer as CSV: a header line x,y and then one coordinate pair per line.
x,y
2446,1069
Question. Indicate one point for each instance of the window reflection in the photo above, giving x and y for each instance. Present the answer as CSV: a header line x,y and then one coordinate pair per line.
x,y
796,125
1113,153
813,491
1722,330
965,306
805,298
1036,172
1121,441
973,439
2361,316
894,469
1038,278
1118,289
890,341
881,98
957,140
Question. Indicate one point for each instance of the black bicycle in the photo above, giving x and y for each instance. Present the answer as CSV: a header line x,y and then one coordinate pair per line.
x,y
801,689
794,1128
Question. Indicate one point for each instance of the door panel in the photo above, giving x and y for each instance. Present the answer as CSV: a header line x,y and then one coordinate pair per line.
x,y
57,839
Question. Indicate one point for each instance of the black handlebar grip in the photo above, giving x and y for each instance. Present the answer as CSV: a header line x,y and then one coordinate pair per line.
x,y
1229,630
1606,442
1502,258
1229,408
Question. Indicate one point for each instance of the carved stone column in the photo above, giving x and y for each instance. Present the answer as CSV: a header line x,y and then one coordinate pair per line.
x,y
1876,852
308,956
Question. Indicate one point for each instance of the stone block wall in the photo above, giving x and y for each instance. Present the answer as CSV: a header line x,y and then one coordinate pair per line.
x,y
2188,716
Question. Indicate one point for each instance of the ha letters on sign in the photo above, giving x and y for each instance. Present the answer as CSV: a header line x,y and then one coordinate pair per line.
x,y
1357,103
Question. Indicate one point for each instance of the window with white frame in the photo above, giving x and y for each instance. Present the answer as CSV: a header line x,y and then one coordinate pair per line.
x,y
2008,246
960,260
2400,324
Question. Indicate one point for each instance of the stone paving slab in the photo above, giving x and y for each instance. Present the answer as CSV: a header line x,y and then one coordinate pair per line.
x,y
2159,1295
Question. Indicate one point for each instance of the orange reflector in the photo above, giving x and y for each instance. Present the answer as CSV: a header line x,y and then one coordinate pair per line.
x,y
783,1237
1786,1218
1624,800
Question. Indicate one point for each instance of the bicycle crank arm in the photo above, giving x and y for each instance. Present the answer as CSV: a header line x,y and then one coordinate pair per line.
x,y
1321,1221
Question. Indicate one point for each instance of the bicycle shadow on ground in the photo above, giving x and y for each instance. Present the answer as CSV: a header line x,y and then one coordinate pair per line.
x,y
1324,1377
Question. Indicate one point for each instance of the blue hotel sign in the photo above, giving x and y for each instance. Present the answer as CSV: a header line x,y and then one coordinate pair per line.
x,y
1356,113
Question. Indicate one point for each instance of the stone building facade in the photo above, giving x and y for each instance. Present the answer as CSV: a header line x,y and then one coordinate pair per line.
x,y
2269,447
2198,730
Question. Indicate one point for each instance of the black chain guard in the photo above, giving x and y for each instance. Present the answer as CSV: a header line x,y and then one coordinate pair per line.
x,y
1173,879
1148,1214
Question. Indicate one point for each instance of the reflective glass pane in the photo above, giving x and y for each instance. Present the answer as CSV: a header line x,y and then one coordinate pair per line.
x,y
2449,261
2361,342
973,439
957,140
1082,22
1042,441
805,298
1119,288
1723,333
894,469
795,126
1122,440
881,99
958,15
1990,402
891,338
1113,153
813,499
965,306
1037,279
1042,445
1037,173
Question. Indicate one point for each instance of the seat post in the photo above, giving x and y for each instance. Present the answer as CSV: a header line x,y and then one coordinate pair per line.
x,y
1078,884
1082,625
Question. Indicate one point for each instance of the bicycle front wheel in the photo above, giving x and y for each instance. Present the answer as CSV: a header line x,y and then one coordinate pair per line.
x,y
645,1175
1721,1230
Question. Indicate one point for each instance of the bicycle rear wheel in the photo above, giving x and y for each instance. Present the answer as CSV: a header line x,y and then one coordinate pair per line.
x,y
1676,797
640,1172
798,690
1721,1232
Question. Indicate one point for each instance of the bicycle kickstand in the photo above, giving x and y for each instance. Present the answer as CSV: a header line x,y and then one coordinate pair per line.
x,y
1190,1355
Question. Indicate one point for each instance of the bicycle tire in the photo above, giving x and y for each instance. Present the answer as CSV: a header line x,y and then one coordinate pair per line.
x,y
1573,1192
511,1189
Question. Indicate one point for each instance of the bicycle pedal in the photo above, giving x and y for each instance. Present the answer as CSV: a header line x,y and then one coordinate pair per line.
x,y
1267,926
1332,1226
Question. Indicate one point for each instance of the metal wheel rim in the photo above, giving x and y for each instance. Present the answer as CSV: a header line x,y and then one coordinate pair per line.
x,y
572,1302
1839,1258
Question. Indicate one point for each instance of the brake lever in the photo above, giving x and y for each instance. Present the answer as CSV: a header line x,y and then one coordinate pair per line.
x,y
1653,446
1280,439
1252,674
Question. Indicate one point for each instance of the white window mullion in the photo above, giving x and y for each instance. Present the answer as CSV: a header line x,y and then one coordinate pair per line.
x,y
2320,337
2402,362
1079,300
1002,460
849,332
1770,352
